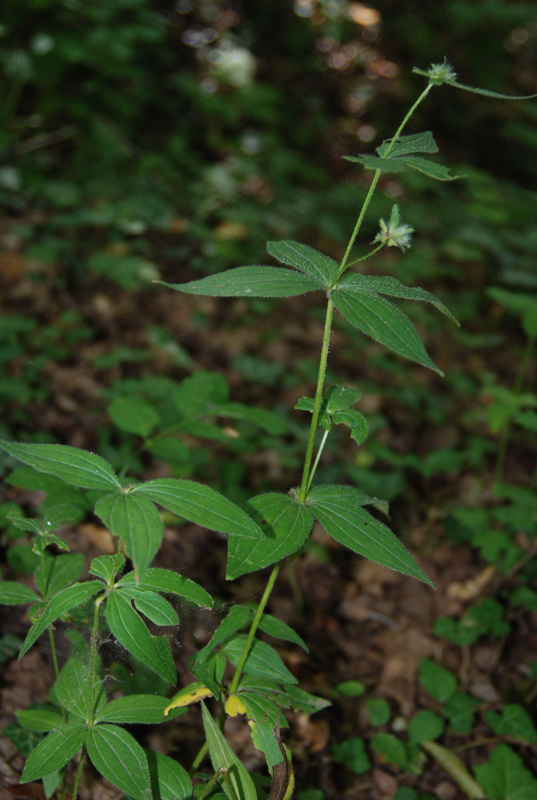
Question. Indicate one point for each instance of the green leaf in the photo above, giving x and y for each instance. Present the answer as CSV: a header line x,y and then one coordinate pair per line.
x,y
341,398
379,711
58,572
64,601
425,726
210,672
289,697
504,776
350,688
73,689
391,748
137,522
391,287
120,759
107,567
169,780
437,681
14,594
151,605
355,421
382,321
233,622
352,754
281,630
40,718
430,168
131,632
262,660
249,282
54,751
199,504
264,716
223,757
460,710
286,524
321,268
268,420
74,466
415,143
199,393
383,164
138,709
168,582
133,415
339,510
513,720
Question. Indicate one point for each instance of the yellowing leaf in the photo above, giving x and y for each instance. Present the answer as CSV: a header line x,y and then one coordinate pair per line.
x,y
190,694
234,706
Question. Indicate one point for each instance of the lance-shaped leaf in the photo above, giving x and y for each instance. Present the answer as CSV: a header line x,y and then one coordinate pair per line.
x,y
137,522
263,660
73,688
391,287
264,717
235,620
40,718
339,510
138,709
168,582
281,630
249,282
322,269
130,631
118,757
200,504
287,525
70,464
223,757
54,751
58,572
378,318
64,601
374,162
14,594
391,164
151,605
415,143
169,780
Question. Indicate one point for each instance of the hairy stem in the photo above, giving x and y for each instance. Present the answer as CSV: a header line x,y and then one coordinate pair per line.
x,y
93,659
78,775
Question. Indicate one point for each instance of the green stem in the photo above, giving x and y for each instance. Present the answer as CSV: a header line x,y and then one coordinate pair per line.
x,y
368,255
317,458
317,403
93,659
253,628
199,758
78,775
54,655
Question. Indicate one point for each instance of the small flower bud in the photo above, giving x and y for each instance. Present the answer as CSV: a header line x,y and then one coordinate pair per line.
x,y
395,233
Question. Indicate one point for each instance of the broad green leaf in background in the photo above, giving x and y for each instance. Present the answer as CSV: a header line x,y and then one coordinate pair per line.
x,y
118,757
74,466
391,748
54,751
339,510
352,754
513,720
14,594
322,269
281,630
504,776
138,709
262,660
268,420
130,631
437,681
169,781
168,582
40,718
222,756
382,321
460,710
64,601
151,605
286,523
200,392
58,572
379,711
425,726
133,415
200,504
137,522
249,282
